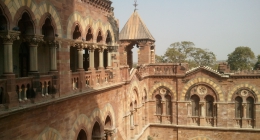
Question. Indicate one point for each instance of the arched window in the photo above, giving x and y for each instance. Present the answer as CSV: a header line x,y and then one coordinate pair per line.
x,y
82,135
99,37
209,106
108,39
238,107
158,104
25,25
195,105
89,35
76,33
96,132
250,108
168,105
47,30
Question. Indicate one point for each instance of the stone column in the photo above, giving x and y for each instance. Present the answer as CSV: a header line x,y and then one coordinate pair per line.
x,y
53,53
201,114
109,63
33,41
91,57
101,60
11,96
8,37
80,58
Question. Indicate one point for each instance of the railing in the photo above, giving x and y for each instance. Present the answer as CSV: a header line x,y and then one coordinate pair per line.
x,y
46,85
245,72
24,88
28,90
162,69
74,80
88,79
98,78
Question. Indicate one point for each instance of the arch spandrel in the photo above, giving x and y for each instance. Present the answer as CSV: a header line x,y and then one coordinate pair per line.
x,y
251,87
206,81
162,84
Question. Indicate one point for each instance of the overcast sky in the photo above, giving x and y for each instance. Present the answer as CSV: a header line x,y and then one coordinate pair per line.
x,y
217,25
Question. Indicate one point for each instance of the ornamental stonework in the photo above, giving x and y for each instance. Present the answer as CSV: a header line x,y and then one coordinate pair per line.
x,y
202,90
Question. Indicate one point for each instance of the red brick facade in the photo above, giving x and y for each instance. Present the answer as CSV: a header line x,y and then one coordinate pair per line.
x,y
50,96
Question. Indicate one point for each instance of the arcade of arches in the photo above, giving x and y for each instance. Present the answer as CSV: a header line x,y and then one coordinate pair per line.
x,y
67,73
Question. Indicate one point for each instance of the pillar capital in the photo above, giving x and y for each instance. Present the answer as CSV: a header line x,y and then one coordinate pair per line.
x,y
101,47
9,36
92,46
33,40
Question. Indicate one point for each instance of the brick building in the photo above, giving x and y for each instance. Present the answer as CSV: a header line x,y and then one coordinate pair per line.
x,y
66,73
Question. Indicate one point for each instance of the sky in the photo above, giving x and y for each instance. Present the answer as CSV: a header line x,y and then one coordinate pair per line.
x,y
217,25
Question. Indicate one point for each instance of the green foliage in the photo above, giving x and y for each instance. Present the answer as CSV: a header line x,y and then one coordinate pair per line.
x,y
257,63
149,138
241,58
159,59
185,52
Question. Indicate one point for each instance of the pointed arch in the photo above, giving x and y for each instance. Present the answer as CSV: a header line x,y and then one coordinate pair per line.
x,y
75,18
202,80
109,111
25,11
89,34
6,14
99,36
49,134
82,122
45,8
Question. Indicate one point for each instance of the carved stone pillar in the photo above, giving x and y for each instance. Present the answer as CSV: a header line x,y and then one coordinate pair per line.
x,y
53,52
8,37
109,63
91,57
11,96
101,60
80,58
33,41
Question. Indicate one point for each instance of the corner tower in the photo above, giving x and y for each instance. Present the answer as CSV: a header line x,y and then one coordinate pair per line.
x,y
136,33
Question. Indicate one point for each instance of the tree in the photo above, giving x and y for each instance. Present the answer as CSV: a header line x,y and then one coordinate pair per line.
x,y
178,52
185,52
159,59
241,58
202,57
257,63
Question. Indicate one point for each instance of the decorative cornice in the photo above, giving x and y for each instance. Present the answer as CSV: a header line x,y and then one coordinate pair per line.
x,y
9,36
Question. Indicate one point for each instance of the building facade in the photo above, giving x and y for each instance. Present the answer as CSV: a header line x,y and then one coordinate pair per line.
x,y
67,73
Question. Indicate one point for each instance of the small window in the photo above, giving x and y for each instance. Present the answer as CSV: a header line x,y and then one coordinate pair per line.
x,y
238,107
250,108
158,104
195,105
209,106
168,105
